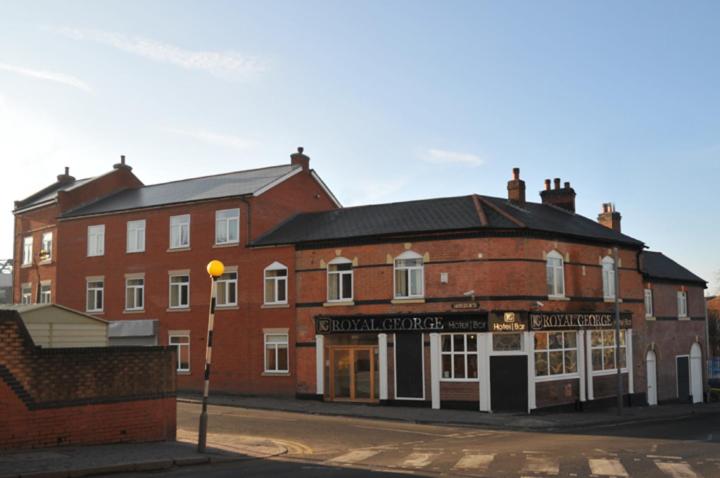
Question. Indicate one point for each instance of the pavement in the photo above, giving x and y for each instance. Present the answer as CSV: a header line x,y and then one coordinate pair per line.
x,y
76,461
537,421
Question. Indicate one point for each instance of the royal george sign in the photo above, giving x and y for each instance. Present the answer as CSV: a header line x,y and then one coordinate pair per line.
x,y
404,323
590,320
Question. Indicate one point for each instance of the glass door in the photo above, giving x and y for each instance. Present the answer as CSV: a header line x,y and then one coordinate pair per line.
x,y
341,374
353,373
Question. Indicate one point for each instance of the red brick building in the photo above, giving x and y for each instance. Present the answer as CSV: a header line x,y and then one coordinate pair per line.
x,y
473,301
121,250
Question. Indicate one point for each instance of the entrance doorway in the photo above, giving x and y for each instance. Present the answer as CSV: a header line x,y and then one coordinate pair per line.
x,y
683,377
651,378
353,373
508,383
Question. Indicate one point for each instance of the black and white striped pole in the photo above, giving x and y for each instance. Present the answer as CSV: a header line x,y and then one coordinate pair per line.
x,y
215,268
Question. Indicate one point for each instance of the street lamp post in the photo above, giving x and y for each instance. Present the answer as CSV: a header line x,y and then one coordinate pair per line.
x,y
215,268
619,385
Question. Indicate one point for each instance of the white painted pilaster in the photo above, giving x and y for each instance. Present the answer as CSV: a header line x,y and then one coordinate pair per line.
x,y
589,365
435,370
629,360
320,364
580,339
484,347
383,366
530,347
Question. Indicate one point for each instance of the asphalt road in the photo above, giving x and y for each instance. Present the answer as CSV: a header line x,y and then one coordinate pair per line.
x,y
337,446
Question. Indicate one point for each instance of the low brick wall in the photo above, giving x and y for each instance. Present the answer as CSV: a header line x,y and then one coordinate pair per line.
x,y
52,397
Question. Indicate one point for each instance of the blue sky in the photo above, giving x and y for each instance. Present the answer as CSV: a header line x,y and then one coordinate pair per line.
x,y
392,100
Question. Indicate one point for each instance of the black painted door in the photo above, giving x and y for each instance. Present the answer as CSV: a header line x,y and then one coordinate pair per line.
x,y
508,383
683,378
409,365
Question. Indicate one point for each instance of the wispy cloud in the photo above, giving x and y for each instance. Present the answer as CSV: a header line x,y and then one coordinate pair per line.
x,y
47,75
440,156
225,64
217,139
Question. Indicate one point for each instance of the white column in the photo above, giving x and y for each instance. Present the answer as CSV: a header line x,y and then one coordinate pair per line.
x,y
484,347
383,365
589,365
320,364
580,340
629,360
435,369
530,346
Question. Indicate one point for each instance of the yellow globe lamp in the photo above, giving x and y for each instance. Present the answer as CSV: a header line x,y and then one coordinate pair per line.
x,y
215,268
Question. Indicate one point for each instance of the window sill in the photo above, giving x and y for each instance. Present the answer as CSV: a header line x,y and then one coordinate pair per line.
x,y
178,309
227,244
135,252
559,298
26,266
684,318
226,307
182,372
45,263
95,255
134,311
95,312
275,306
339,303
459,380
409,300
612,300
178,249
275,374
649,317
552,378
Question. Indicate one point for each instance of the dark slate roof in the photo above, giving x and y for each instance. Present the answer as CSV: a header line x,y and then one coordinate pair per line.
x,y
463,213
49,194
239,183
656,265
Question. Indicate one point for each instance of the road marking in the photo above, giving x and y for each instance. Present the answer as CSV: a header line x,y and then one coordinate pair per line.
x,y
418,460
664,457
607,467
540,464
676,470
354,456
474,462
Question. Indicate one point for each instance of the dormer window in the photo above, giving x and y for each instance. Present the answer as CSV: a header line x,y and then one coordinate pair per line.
x,y
409,276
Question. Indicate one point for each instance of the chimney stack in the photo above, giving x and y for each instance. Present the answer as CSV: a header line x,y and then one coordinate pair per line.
x,y
516,189
561,197
300,158
121,164
609,217
65,178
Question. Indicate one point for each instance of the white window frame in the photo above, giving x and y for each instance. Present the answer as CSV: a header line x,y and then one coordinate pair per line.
x,y
230,221
96,240
556,290
648,294
45,292
177,224
558,376
135,288
94,290
682,304
275,266
603,347
276,345
135,236
26,293
27,258
179,285
608,277
47,245
338,275
179,347
228,284
465,352
409,270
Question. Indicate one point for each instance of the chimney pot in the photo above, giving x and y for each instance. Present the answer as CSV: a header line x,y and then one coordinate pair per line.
x,y
300,158
610,218
557,183
559,197
516,173
547,185
567,184
67,170
122,159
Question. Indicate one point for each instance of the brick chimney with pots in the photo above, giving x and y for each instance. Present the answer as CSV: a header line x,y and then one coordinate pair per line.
x,y
609,217
65,178
561,197
300,158
516,189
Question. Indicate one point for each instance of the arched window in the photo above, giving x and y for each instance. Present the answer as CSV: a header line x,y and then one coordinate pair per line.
x,y
276,284
339,280
608,277
409,281
555,267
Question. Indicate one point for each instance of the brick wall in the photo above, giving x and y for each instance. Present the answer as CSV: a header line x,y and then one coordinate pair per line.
x,y
53,397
